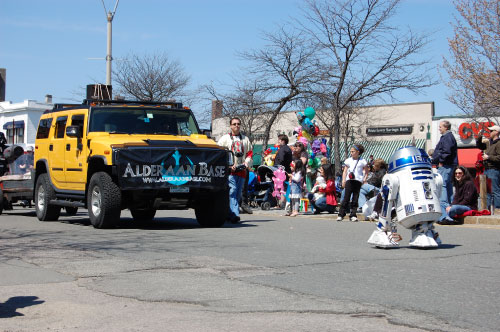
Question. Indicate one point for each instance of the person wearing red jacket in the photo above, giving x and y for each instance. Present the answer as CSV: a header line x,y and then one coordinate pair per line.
x,y
328,202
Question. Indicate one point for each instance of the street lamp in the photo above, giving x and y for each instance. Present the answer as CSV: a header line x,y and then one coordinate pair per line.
x,y
109,58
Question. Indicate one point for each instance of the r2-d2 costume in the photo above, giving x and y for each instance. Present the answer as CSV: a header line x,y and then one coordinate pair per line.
x,y
413,189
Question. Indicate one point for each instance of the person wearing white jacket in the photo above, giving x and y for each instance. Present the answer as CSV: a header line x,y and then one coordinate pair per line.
x,y
241,147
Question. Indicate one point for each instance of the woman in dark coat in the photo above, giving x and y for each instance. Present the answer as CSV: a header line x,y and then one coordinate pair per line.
x,y
465,197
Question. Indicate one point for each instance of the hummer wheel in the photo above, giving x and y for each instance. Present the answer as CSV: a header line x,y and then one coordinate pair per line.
x,y
44,193
103,201
212,211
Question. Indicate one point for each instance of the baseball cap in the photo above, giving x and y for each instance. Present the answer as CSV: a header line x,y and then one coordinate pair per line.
x,y
497,128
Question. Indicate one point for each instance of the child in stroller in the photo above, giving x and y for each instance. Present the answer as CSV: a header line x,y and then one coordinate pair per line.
x,y
260,188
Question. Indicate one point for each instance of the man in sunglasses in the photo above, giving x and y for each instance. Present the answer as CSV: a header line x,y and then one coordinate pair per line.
x,y
241,147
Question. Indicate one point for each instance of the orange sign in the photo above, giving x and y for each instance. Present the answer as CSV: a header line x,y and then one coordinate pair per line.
x,y
324,132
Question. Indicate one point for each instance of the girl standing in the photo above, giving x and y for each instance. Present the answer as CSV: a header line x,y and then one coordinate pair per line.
x,y
355,172
296,182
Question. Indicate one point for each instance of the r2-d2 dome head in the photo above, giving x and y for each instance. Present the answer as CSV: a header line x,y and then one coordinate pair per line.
x,y
419,187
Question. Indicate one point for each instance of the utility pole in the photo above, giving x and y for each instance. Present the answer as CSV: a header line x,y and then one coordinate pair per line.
x,y
109,57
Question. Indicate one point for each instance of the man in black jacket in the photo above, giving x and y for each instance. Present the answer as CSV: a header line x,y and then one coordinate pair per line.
x,y
491,161
445,156
284,155
284,158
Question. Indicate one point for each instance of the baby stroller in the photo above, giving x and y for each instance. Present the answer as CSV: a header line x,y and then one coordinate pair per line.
x,y
261,187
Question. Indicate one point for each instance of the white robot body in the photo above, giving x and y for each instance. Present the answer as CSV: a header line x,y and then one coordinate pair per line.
x,y
413,189
418,199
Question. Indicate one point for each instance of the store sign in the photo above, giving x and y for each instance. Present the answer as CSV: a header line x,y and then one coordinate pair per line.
x,y
467,130
324,132
397,130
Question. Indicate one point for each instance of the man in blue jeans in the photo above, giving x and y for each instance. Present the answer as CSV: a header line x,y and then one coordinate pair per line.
x,y
241,147
445,156
491,160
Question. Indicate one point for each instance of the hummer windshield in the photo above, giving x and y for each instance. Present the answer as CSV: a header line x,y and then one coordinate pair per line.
x,y
151,121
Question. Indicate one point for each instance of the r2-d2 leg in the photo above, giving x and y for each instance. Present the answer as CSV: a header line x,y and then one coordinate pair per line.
x,y
424,236
385,236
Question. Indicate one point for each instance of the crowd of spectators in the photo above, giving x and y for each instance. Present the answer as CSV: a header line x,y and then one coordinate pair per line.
x,y
361,179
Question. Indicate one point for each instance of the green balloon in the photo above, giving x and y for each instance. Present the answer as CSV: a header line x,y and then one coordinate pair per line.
x,y
309,113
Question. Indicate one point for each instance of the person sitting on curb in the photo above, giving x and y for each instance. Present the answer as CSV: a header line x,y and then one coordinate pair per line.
x,y
328,201
464,199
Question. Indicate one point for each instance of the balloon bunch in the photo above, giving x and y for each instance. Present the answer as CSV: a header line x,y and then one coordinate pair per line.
x,y
309,129
317,151
278,179
270,154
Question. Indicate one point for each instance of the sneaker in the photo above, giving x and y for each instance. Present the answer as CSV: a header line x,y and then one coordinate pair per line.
x,y
373,216
339,218
246,209
447,222
316,211
235,220
354,218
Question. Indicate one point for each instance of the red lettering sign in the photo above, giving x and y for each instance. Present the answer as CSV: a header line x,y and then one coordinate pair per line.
x,y
466,130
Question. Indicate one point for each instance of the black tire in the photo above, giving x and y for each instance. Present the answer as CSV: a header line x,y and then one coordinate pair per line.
x,y
213,211
265,206
143,215
103,201
71,211
44,193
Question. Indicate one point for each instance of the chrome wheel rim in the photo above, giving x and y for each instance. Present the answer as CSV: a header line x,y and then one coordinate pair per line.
x,y
40,202
95,201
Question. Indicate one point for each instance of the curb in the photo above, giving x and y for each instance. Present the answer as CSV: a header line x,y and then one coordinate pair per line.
x,y
471,220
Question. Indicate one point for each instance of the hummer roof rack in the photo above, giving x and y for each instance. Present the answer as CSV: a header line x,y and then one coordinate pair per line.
x,y
58,106
169,104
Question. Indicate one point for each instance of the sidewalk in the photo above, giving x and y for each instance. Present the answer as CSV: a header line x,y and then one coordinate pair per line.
x,y
473,220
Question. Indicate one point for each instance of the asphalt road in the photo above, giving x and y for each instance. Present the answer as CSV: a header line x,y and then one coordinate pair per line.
x,y
270,273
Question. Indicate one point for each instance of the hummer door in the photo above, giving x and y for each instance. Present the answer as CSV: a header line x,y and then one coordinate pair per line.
x,y
75,155
56,152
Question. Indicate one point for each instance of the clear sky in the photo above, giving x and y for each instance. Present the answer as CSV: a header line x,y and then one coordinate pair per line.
x,y
46,45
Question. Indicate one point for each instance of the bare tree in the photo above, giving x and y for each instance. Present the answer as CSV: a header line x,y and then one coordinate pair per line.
x,y
363,56
151,77
246,100
284,70
473,69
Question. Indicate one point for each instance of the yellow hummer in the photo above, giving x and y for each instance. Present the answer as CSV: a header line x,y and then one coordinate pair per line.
x,y
112,155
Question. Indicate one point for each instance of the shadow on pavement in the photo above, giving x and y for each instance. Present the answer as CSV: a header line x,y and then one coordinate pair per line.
x,y
9,308
442,246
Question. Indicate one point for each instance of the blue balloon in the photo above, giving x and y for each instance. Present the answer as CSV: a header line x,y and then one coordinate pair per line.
x,y
309,113
300,117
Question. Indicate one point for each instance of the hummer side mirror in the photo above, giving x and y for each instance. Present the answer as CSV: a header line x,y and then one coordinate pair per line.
x,y
73,131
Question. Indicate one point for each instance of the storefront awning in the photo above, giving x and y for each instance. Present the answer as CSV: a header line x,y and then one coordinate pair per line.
x,y
380,149
14,124
468,157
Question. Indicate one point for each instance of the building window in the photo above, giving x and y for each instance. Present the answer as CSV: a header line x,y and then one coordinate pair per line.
x,y
15,135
